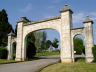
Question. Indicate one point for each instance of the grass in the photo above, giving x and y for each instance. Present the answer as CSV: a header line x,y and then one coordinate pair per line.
x,y
6,61
47,53
78,66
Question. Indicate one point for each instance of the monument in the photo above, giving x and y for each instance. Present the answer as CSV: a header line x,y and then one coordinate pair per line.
x,y
63,24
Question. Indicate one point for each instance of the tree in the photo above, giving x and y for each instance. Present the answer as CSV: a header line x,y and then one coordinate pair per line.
x,y
31,49
51,49
5,28
48,44
54,44
78,45
38,36
43,41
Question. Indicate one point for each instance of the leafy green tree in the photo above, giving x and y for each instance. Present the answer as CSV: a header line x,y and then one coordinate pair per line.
x,y
51,49
43,41
48,44
38,36
78,45
5,28
55,43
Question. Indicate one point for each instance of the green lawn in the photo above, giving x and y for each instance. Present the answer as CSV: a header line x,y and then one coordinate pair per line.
x,y
78,66
6,61
47,53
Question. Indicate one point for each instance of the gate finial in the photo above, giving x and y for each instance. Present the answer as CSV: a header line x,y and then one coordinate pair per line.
x,y
66,5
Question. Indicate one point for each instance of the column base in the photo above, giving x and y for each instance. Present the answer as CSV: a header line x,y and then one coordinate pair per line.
x,y
89,59
66,60
18,59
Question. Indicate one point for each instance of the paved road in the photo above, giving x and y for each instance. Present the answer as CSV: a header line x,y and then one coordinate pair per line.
x,y
30,66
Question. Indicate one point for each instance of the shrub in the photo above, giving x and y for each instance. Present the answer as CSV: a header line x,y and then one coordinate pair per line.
x,y
94,53
31,50
3,53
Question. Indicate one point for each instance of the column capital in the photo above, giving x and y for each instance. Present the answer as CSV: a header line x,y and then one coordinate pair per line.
x,y
66,9
88,20
22,20
11,34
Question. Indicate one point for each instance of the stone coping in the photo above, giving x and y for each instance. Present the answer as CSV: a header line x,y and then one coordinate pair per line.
x,y
43,20
77,28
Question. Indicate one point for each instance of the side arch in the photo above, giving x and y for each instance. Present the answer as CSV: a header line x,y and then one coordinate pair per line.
x,y
13,40
74,32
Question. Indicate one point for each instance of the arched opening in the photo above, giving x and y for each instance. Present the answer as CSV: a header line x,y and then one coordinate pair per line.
x,y
14,50
46,48
79,47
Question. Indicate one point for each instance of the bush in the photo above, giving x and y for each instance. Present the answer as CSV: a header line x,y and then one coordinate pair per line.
x,y
31,50
94,53
3,53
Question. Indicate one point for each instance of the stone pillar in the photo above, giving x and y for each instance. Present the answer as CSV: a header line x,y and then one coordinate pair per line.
x,y
10,50
19,39
89,43
73,57
66,25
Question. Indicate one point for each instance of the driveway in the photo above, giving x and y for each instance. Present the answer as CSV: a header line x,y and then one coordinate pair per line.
x,y
30,66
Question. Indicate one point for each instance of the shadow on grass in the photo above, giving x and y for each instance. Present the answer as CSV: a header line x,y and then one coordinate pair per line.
x,y
79,58
33,58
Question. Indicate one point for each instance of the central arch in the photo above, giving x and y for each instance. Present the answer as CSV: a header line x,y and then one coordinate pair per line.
x,y
28,28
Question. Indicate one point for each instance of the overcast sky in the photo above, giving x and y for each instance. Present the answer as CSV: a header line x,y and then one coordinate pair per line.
x,y
41,9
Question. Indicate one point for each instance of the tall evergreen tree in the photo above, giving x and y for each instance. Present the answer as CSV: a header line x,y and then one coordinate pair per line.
x,y
5,28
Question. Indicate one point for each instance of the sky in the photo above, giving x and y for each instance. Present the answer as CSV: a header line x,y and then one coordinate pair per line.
x,y
41,9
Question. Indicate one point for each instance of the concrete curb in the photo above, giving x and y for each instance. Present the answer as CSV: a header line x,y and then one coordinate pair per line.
x,y
38,70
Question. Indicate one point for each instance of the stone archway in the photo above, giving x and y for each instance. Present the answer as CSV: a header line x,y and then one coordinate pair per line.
x,y
63,24
11,40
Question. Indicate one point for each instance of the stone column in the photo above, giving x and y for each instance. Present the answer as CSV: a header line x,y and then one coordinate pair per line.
x,y
66,25
10,50
19,39
89,43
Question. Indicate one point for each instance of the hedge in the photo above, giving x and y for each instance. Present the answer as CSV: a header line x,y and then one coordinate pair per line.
x,y
3,53
94,53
